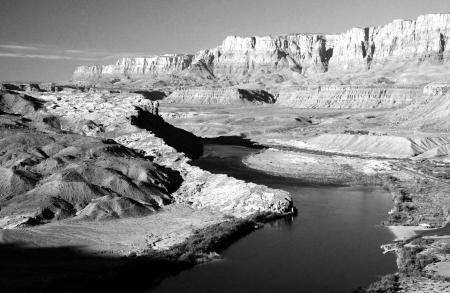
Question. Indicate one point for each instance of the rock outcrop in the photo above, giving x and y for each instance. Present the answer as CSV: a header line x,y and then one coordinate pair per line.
x,y
348,96
20,104
122,118
141,66
430,113
358,49
436,89
202,95
49,175
83,157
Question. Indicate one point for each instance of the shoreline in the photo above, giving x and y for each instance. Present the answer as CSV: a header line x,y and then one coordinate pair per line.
x,y
203,191
200,203
410,221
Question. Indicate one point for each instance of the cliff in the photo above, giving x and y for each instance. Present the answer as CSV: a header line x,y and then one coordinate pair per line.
x,y
238,58
140,66
348,96
203,95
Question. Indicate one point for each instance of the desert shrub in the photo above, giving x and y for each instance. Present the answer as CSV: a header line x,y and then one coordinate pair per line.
x,y
412,261
387,284
214,238
446,248
422,242
404,196
398,217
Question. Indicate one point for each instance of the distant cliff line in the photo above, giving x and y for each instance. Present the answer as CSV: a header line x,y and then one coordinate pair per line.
x,y
358,49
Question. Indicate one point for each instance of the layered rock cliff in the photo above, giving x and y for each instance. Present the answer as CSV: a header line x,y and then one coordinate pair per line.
x,y
202,95
348,96
140,66
358,49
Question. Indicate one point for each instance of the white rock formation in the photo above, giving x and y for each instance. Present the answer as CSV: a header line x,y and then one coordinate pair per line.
x,y
436,89
201,188
357,49
140,66
348,96
203,95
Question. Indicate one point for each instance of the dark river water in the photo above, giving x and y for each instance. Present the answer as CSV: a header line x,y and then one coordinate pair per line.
x,y
333,245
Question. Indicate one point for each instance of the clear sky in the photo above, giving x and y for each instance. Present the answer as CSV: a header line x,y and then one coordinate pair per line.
x,y
45,39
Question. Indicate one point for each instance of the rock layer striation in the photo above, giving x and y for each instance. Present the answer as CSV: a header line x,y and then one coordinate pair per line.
x,y
358,49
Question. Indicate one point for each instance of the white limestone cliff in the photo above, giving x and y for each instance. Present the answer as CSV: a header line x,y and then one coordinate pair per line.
x,y
137,66
412,41
348,96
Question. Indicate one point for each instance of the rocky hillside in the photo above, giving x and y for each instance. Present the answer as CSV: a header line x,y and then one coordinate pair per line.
x,y
430,113
69,159
357,50
85,173
48,174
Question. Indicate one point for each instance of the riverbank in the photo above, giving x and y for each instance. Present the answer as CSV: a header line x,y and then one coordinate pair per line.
x,y
98,174
320,169
290,253
346,146
420,203
73,265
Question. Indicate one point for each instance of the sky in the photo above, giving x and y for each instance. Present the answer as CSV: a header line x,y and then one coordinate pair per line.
x,y
44,40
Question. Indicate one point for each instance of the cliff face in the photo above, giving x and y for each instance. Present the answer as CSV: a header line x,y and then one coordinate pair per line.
x,y
239,56
357,49
141,66
347,96
202,95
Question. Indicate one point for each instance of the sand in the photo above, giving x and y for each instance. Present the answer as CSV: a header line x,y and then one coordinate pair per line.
x,y
404,233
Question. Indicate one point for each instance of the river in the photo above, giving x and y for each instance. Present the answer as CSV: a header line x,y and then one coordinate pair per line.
x,y
332,245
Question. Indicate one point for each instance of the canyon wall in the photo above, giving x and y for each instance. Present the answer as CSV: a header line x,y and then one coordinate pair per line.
x,y
348,96
436,89
137,66
203,95
358,49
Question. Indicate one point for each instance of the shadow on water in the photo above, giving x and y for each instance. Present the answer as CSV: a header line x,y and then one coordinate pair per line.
x,y
69,269
234,140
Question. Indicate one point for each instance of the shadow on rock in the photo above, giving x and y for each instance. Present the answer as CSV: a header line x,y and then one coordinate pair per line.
x,y
151,95
179,139
256,96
